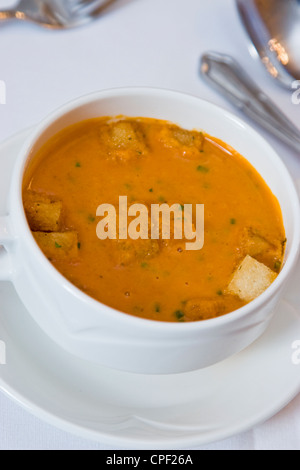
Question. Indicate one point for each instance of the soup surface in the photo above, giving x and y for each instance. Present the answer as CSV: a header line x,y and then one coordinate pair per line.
x,y
150,162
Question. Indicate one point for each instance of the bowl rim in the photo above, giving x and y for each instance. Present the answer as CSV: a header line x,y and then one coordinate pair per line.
x,y
120,316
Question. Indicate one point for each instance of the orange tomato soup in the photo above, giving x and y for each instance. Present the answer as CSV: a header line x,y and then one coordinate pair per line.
x,y
151,162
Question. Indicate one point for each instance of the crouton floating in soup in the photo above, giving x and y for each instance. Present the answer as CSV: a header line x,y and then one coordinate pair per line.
x,y
58,245
43,213
153,163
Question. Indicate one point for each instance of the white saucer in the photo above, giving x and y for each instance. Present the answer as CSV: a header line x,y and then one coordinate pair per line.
x,y
144,412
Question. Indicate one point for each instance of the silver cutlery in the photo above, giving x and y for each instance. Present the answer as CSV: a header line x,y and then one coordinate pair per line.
x,y
274,29
228,77
56,13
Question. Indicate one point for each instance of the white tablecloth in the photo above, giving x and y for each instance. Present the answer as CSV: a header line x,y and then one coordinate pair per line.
x,y
142,42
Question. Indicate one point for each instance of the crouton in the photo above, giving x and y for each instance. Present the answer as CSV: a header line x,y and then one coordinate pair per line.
x,y
124,140
254,244
43,214
251,279
188,143
45,217
132,251
203,309
58,245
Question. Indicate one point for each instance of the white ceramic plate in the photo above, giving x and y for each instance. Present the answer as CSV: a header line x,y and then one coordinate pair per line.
x,y
144,412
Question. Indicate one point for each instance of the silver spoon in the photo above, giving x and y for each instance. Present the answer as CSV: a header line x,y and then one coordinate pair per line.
x,y
224,73
274,29
56,13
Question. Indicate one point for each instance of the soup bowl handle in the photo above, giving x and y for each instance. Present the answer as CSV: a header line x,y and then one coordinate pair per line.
x,y
7,247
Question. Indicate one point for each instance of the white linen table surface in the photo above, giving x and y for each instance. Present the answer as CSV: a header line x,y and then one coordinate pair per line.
x,y
145,43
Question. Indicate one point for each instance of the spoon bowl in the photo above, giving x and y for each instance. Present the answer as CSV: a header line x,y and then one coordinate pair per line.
x,y
56,14
274,29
